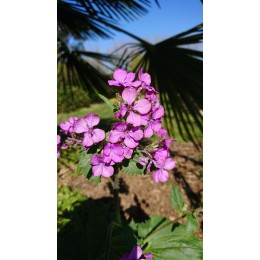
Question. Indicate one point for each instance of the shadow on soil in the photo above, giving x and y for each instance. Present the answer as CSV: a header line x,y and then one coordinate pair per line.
x,y
194,198
83,231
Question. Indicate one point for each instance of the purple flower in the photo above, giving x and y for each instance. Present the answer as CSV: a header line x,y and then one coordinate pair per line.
x,y
113,152
133,136
162,175
101,168
128,152
145,78
164,134
117,134
122,78
152,125
85,125
161,153
151,96
58,146
68,126
157,112
142,106
136,254
130,137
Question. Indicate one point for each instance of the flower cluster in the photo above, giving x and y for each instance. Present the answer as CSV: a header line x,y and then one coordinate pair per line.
x,y
140,116
80,131
136,254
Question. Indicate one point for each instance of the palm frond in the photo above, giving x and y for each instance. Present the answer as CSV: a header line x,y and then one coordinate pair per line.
x,y
85,19
76,69
177,73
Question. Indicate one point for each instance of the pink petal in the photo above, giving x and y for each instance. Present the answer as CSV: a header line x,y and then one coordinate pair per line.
x,y
120,126
81,126
143,160
160,176
148,256
117,115
118,149
95,160
159,163
162,133
87,140
129,95
134,119
136,133
128,152
123,109
120,75
169,141
145,77
98,135
92,119
65,126
113,83
73,119
115,136
143,106
140,73
148,131
136,83
107,171
135,253
130,77
163,176
158,113
116,158
145,119
169,164
58,139
161,153
156,125
155,176
130,142
97,170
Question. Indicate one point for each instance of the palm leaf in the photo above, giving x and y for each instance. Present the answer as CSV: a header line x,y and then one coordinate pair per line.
x,y
85,19
76,69
177,73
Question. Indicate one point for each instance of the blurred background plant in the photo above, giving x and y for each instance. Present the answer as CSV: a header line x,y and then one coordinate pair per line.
x,y
174,64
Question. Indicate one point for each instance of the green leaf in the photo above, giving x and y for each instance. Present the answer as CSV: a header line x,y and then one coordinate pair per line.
x,y
132,166
84,167
169,240
107,101
177,201
144,229
192,223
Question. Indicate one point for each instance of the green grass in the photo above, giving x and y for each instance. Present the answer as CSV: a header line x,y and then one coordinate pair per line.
x,y
100,109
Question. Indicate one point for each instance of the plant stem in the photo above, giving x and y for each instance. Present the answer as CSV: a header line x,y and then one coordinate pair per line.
x,y
108,241
117,218
116,197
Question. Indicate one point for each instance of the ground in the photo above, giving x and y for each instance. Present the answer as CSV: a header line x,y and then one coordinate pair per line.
x,y
140,197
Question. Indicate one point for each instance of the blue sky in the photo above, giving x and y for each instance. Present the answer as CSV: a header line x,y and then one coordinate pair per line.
x,y
173,17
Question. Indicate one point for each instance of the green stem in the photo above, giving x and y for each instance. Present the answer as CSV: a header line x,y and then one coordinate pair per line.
x,y
116,197
117,218
108,240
